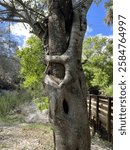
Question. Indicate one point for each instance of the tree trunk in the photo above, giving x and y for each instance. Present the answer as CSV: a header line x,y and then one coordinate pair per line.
x,y
65,80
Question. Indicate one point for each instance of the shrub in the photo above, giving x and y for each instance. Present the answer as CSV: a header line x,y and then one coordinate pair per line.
x,y
108,91
9,100
41,103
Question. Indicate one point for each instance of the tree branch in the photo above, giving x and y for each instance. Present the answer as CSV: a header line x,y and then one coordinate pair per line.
x,y
12,8
12,20
32,10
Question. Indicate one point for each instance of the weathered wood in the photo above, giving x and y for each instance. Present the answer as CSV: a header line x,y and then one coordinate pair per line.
x,y
97,109
101,113
109,119
89,107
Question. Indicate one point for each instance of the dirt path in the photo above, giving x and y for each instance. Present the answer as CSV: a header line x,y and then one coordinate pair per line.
x,y
26,137
34,137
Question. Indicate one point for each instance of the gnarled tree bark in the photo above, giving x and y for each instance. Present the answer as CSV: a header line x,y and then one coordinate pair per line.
x,y
65,80
62,32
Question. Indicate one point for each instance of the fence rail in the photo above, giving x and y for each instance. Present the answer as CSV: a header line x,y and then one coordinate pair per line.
x,y
100,110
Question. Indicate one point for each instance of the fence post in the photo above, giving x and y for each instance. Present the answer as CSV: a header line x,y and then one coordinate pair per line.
x,y
109,119
97,116
89,107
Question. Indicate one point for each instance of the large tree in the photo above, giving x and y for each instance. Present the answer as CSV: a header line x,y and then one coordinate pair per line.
x,y
61,25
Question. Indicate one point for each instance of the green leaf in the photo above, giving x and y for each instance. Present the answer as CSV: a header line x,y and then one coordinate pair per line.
x,y
31,57
99,65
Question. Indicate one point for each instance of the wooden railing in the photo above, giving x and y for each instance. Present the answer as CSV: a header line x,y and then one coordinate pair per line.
x,y
100,110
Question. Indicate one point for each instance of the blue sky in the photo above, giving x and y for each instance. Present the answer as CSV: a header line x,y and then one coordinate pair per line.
x,y
95,19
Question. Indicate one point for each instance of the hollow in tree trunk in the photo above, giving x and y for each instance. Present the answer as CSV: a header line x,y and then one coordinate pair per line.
x,y
65,80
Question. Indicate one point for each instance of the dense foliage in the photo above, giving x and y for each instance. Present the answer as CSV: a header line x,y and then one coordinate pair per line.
x,y
31,57
97,63
32,68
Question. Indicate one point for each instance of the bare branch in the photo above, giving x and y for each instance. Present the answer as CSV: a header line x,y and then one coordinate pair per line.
x,y
28,8
12,20
22,10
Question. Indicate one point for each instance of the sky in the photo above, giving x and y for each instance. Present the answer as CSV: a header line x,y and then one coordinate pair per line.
x,y
95,25
21,32
95,19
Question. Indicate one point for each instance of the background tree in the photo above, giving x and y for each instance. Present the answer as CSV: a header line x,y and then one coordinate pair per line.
x,y
61,25
8,45
9,65
31,72
109,13
98,64
31,69
9,70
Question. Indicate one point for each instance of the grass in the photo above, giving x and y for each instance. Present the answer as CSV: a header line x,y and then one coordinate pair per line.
x,y
12,99
11,119
38,126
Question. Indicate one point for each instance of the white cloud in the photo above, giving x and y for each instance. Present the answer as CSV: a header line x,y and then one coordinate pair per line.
x,y
89,29
21,30
101,36
106,36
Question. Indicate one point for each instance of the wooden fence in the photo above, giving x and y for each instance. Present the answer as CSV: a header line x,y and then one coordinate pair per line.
x,y
100,110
